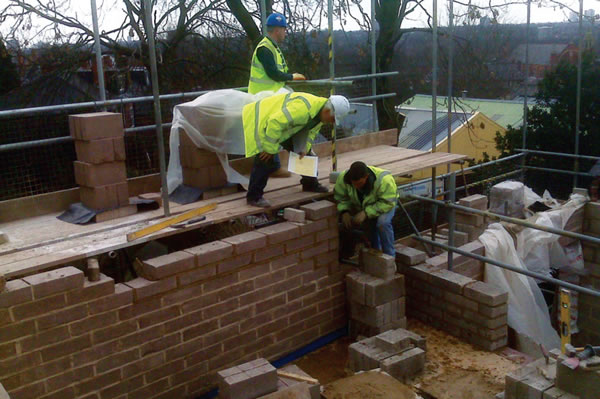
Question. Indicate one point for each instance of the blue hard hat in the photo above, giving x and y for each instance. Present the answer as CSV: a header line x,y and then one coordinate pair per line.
x,y
276,19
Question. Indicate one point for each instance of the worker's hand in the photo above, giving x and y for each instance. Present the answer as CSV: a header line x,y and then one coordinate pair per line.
x,y
302,154
298,76
347,220
359,218
265,156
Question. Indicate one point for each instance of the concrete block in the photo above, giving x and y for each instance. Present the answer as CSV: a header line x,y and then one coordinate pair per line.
x,y
460,237
393,341
294,215
555,393
247,381
217,176
96,125
379,291
473,231
592,210
476,201
469,218
512,379
365,355
486,294
198,178
105,197
379,315
472,268
377,263
579,382
3,238
197,158
355,286
319,210
404,365
100,151
357,328
533,386
90,175
409,256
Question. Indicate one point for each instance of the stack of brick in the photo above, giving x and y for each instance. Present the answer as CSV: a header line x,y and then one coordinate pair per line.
x,y
376,295
458,304
508,199
473,225
264,293
400,353
202,169
100,167
247,381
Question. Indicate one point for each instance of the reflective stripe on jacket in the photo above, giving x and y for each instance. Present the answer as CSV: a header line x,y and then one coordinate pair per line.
x,y
259,80
272,120
380,200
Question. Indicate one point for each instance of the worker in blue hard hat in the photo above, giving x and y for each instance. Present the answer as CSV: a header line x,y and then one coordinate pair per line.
x,y
269,70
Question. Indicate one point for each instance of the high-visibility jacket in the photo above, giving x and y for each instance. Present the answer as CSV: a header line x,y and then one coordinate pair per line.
x,y
274,119
380,200
259,80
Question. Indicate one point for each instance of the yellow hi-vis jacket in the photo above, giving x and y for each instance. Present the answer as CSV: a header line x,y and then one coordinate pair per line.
x,y
274,119
259,80
380,200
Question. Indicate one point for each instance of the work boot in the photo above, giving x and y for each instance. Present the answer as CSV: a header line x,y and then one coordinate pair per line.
x,y
281,172
261,203
318,188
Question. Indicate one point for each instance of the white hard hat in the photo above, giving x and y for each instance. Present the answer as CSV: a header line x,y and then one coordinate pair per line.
x,y
341,107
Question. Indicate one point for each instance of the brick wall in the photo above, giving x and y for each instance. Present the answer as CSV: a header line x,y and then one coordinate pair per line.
x,y
458,304
589,306
264,294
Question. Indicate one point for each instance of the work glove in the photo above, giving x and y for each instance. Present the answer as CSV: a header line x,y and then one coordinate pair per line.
x,y
298,76
347,220
359,218
265,156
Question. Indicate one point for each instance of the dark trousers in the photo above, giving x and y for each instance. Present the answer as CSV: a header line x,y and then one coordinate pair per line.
x,y
261,171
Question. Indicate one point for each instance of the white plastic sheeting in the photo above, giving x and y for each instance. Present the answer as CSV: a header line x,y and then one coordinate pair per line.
x,y
527,312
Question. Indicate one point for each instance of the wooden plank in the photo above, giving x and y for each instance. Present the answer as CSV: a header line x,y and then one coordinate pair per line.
x,y
297,377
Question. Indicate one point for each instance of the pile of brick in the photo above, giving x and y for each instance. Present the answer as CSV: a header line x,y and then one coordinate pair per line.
x,y
376,295
473,225
259,379
202,169
400,353
100,167
551,379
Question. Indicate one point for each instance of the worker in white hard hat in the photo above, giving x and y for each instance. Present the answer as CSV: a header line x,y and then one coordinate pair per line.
x,y
273,122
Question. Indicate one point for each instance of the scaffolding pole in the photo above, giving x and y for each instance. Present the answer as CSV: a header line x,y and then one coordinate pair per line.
x,y
98,50
331,77
373,61
525,107
578,100
434,72
450,73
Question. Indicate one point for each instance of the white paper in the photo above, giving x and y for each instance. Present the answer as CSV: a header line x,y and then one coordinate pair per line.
x,y
306,166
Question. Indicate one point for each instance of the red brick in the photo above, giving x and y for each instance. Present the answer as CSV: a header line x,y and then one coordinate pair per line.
x,y
300,268
450,281
15,292
101,150
486,294
269,279
62,317
105,197
167,265
325,259
314,251
211,252
220,335
280,232
202,273
66,348
235,290
98,382
334,244
325,235
220,282
193,157
45,338
254,271
160,344
92,290
96,125
234,317
139,308
200,302
142,365
159,316
197,331
294,215
121,389
247,242
273,327
285,261
186,348
69,377
299,243
143,288
39,307
114,331
96,352
300,292
33,391
319,210
67,393
141,336
181,295
313,227
287,285
93,323
164,371
220,308
233,263
55,281
5,317
269,252
314,275
270,304
8,350
89,175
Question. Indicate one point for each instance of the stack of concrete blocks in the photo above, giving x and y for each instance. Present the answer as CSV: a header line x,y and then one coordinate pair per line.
x,y
100,167
202,169
247,381
400,353
285,383
508,199
589,306
470,223
376,295
457,303
552,379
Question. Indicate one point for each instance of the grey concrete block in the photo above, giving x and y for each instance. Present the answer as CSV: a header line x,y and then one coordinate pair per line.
x,y
379,291
393,341
404,365
533,386
579,382
294,215
409,256
378,264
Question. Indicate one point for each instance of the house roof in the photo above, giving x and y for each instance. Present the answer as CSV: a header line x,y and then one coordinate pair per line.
x,y
503,112
417,132
539,54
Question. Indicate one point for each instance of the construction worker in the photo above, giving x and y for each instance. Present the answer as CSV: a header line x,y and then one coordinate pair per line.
x,y
366,197
290,120
268,70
